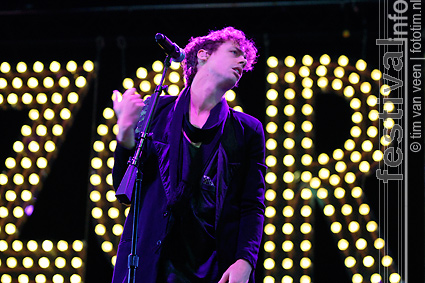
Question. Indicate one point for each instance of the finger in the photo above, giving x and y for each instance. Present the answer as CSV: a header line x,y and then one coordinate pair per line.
x,y
135,100
129,92
139,104
224,278
116,97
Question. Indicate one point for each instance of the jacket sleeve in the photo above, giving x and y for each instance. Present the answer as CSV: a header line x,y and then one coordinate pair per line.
x,y
121,157
252,202
122,154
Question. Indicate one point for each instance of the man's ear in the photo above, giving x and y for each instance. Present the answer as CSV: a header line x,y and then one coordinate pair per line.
x,y
202,56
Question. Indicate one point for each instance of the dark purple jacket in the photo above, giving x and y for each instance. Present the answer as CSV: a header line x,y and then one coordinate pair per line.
x,y
239,202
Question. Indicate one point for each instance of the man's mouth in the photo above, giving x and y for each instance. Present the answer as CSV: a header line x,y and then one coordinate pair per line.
x,y
238,70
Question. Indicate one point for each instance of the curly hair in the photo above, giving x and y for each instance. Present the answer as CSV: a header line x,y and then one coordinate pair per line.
x,y
211,43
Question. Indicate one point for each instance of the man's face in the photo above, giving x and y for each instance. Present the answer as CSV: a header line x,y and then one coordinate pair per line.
x,y
226,64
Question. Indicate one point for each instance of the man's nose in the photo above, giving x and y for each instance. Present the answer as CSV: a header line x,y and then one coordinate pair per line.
x,y
243,61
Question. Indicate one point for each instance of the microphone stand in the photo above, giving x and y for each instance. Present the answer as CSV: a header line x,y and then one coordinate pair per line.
x,y
133,176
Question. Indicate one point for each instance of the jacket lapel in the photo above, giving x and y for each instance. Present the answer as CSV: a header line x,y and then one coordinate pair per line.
x,y
162,151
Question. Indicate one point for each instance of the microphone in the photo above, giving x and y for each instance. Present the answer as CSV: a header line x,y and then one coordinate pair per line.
x,y
170,48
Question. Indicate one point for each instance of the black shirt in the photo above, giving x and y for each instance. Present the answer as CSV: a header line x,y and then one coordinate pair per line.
x,y
189,251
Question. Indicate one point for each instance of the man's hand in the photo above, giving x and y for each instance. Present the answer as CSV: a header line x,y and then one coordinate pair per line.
x,y
127,108
238,272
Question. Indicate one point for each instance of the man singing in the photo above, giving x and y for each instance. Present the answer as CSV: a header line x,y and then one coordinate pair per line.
x,y
202,200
